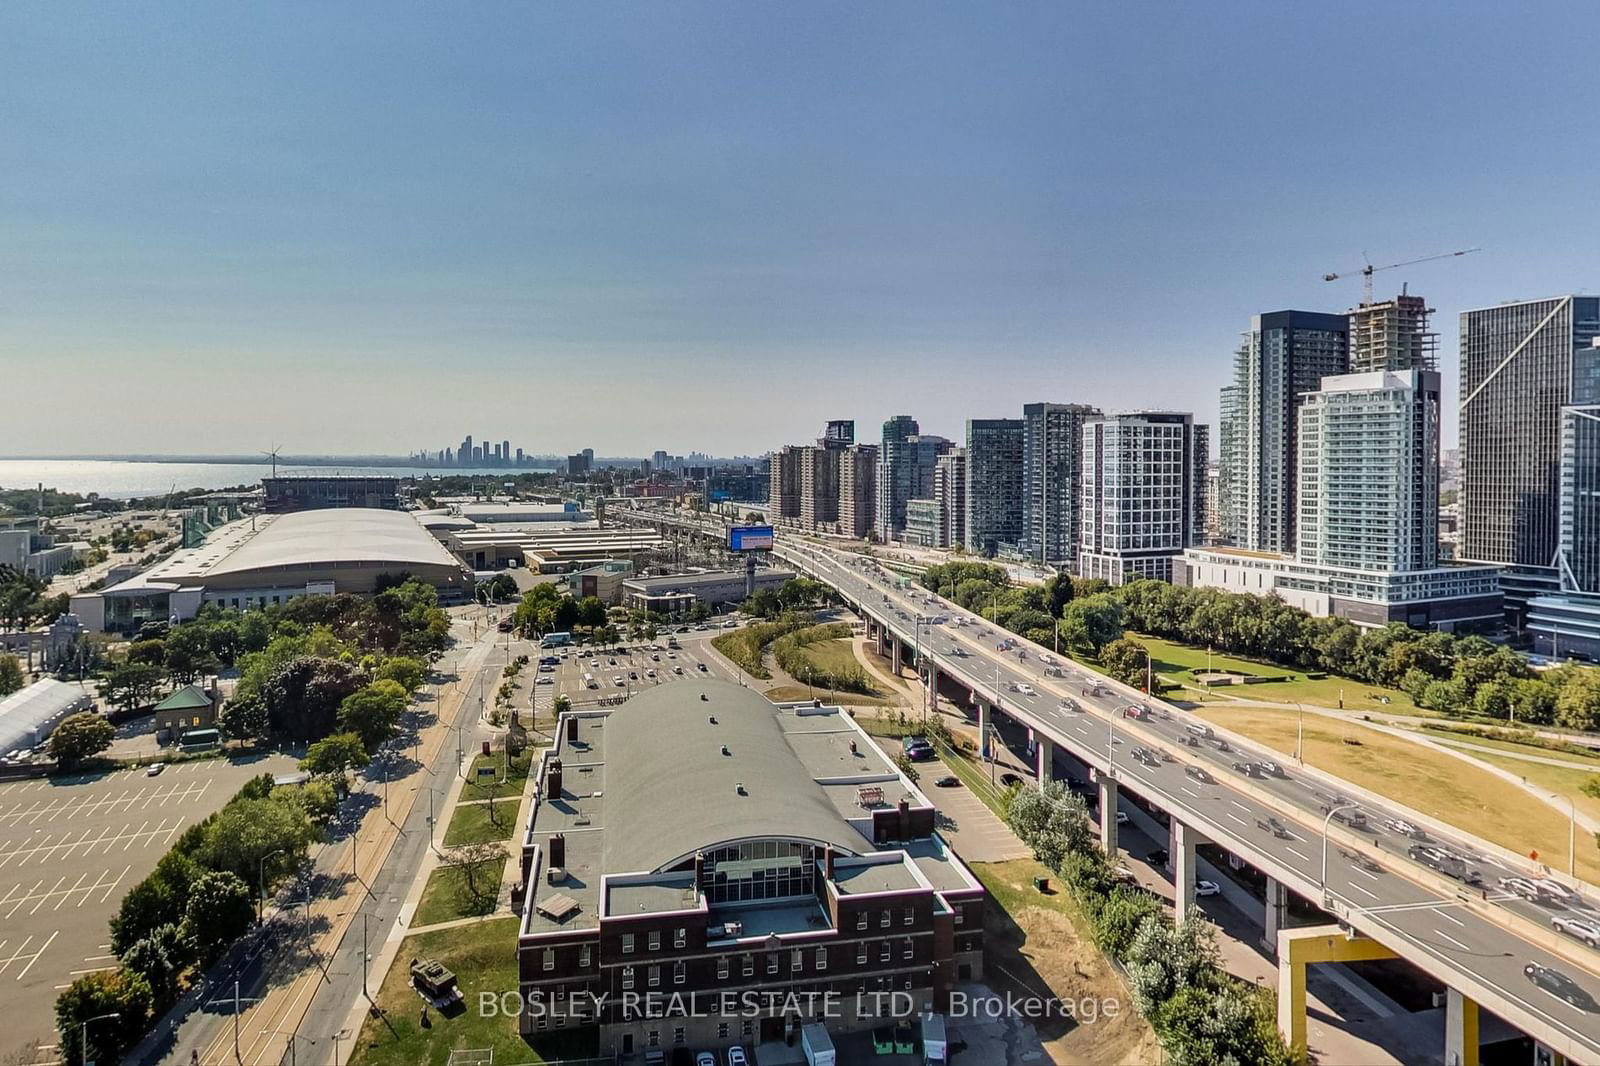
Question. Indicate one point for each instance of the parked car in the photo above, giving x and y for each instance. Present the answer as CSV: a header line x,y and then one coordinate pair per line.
x,y
700,667
154,769
1158,857
736,1056
948,781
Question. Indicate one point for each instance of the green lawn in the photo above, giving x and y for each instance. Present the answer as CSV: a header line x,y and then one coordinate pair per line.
x,y
1513,747
471,824
444,898
833,656
504,786
484,958
1178,662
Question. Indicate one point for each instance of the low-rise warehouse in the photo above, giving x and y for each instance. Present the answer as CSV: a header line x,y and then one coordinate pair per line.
x,y
29,715
676,594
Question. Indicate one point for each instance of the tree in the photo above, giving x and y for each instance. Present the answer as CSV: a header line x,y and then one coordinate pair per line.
x,y
409,673
478,866
699,611
220,908
1578,706
334,756
320,799
1057,594
591,611
903,763
116,992
561,705
149,652
248,830
373,712
80,736
244,718
1126,660
11,676
1446,696
157,900
159,957
1091,622
1164,958
304,694
130,685
188,652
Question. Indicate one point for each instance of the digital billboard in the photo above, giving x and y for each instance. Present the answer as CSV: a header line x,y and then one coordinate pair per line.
x,y
750,538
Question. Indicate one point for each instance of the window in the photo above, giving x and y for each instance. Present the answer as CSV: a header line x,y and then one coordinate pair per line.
x,y
680,937
722,1030
680,972
722,968
822,958
885,920
884,952
627,977
655,940
747,1028
861,953
861,920
958,918
677,1034
549,958
653,978
749,965
910,917
583,957
627,943
797,960
772,962
653,1038
909,950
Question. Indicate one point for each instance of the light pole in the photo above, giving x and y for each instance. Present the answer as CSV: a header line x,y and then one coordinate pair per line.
x,y
1300,734
1323,883
261,883
1572,838
85,1027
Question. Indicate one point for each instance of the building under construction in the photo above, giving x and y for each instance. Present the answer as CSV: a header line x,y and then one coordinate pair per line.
x,y
1393,335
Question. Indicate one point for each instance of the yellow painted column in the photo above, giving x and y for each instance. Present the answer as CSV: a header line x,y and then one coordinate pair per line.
x,y
1460,1030
1299,948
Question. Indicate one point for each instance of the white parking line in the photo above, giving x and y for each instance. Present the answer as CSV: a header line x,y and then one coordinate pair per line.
x,y
36,954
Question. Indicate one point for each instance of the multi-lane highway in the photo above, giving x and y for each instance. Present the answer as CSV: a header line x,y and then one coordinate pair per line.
x,y
1476,939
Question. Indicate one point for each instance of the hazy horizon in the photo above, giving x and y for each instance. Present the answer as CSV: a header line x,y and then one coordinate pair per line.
x,y
368,229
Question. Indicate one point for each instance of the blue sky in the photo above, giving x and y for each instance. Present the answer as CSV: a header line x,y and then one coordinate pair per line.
x,y
376,227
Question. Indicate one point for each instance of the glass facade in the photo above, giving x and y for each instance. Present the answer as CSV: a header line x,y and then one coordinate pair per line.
x,y
760,870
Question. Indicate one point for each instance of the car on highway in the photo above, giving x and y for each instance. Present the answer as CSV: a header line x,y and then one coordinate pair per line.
x,y
1557,892
1026,690
1199,773
1272,769
1070,705
1579,928
1249,769
947,781
1445,861
1558,984
546,668
1521,886
1363,861
1136,712
1275,827
1207,888
1047,659
1405,828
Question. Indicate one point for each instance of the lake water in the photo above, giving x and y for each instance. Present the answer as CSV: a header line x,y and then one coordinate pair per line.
x,y
118,479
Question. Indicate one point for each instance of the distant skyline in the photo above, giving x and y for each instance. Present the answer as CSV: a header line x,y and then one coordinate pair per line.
x,y
359,228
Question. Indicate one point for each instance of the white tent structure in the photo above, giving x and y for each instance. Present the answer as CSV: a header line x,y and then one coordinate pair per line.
x,y
28,715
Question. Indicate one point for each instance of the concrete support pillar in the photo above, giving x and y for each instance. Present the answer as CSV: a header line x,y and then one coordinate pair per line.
x,y
1460,1030
983,729
1044,761
896,654
1277,914
882,650
1108,815
933,687
1181,857
1299,948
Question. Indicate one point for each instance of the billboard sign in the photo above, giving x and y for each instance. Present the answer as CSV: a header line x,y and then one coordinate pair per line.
x,y
750,538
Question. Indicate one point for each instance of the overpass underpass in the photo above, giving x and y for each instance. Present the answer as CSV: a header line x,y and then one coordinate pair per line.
x,y
1476,943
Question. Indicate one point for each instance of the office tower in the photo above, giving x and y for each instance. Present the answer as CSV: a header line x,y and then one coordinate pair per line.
x,y
783,493
1052,478
1285,354
519,456
1568,623
658,459
1369,472
894,474
994,484
466,452
1521,363
1393,335
578,463
588,459
858,490
505,451
950,493
1143,478
840,433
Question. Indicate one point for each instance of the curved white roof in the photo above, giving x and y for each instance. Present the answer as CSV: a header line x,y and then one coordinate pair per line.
x,y
336,535
39,705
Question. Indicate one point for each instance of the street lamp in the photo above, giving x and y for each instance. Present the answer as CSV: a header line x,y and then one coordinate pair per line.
x,y
261,882
86,1023
1323,883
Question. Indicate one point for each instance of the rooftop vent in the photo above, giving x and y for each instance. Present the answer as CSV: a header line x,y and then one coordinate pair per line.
x,y
725,750
739,788
711,719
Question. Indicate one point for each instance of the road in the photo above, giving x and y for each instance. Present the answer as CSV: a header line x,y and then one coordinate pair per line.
x,y
1481,943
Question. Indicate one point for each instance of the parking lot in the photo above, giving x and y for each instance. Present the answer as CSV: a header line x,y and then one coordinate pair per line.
x,y
633,667
70,848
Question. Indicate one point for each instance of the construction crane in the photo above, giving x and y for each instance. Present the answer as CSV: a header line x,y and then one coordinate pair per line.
x,y
1367,271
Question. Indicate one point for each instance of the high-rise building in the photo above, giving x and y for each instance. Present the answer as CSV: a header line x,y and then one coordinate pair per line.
x,y
858,490
1568,623
519,457
1393,335
839,433
1284,355
819,487
1367,464
1521,363
950,493
783,493
505,451
1052,473
895,475
659,459
580,463
1143,478
467,452
994,484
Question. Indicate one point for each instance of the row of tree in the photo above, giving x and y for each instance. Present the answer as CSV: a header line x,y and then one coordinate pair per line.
x,y
200,898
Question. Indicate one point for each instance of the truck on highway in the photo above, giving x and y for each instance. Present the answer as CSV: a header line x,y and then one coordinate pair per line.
x,y
817,1045
1447,863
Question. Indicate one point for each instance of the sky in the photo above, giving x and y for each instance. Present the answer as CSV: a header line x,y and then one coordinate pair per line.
x,y
377,227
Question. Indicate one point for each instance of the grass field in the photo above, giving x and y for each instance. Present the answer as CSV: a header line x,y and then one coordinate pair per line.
x,y
1178,662
1555,778
471,824
833,656
484,958
1423,779
443,898
1569,753
506,785
795,693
